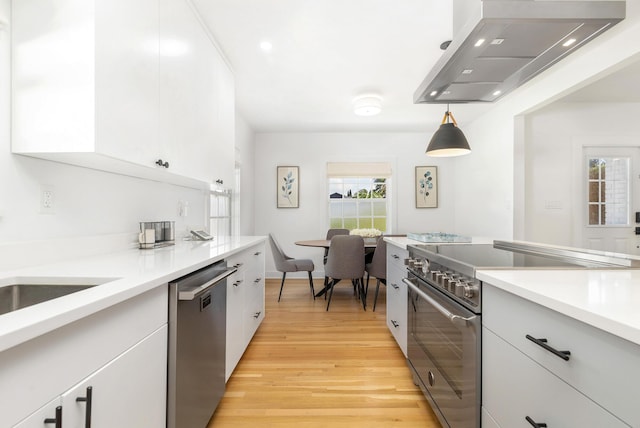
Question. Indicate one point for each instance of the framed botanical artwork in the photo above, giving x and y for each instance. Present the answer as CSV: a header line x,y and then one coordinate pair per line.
x,y
426,187
288,186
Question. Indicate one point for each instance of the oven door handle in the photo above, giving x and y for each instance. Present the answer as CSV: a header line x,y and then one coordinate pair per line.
x,y
455,319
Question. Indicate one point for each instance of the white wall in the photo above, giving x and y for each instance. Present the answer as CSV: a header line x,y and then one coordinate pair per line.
x,y
87,202
552,134
485,190
311,152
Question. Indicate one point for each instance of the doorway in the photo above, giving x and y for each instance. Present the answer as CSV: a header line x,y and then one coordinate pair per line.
x,y
610,199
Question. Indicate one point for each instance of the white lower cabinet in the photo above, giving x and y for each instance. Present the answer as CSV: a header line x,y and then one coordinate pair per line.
x,y
397,294
526,373
120,351
129,392
515,388
245,303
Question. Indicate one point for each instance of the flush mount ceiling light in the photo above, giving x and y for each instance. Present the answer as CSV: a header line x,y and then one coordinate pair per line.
x,y
448,140
266,46
367,105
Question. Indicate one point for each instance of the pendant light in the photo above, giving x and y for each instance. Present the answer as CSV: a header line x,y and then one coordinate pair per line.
x,y
448,140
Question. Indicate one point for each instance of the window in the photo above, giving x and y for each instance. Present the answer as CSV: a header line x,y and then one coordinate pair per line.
x,y
220,213
358,195
608,190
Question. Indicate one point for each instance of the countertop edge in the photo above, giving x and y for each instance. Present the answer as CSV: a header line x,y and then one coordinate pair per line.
x,y
618,327
28,323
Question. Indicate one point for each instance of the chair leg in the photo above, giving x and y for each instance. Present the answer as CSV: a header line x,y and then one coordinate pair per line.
x,y
375,297
326,284
284,274
366,290
364,295
331,284
313,292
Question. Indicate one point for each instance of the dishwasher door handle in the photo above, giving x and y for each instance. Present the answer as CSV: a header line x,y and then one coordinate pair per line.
x,y
191,294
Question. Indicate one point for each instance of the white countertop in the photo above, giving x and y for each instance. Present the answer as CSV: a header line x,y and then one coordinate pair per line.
x,y
605,299
403,241
128,273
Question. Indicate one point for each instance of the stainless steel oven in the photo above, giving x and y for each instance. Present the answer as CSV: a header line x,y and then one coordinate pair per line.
x,y
443,347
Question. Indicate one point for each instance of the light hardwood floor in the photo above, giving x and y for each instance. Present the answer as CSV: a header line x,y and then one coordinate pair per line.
x,y
310,368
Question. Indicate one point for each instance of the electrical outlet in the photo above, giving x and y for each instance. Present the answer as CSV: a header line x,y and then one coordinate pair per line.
x,y
47,200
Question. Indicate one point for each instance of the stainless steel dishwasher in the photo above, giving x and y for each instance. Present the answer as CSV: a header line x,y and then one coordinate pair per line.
x,y
197,338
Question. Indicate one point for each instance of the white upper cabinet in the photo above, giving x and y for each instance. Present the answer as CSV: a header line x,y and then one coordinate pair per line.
x,y
194,120
117,85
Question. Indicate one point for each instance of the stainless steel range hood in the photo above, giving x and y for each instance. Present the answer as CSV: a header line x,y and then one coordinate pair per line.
x,y
504,43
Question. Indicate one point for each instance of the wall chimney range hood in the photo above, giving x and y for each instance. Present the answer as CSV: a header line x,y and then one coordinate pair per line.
x,y
501,44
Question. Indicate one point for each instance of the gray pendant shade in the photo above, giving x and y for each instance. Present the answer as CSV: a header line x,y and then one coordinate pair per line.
x,y
448,140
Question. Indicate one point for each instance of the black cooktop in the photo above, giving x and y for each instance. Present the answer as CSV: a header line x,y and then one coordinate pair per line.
x,y
486,256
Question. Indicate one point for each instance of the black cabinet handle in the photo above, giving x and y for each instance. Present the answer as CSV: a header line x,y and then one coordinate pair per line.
x,y
257,253
534,423
87,410
57,420
236,283
257,280
395,286
543,343
395,324
257,315
162,164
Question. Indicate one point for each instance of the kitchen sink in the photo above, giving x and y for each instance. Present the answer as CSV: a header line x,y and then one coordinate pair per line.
x,y
25,292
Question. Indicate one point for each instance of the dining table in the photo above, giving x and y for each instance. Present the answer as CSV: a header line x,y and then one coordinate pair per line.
x,y
325,243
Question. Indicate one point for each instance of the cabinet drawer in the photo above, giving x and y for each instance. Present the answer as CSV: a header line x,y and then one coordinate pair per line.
x,y
396,256
601,365
514,387
487,420
397,306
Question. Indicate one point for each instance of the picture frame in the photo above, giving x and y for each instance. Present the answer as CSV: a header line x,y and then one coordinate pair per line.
x,y
288,185
426,185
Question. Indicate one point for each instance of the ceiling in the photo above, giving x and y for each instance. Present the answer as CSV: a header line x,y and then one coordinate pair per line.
x,y
325,53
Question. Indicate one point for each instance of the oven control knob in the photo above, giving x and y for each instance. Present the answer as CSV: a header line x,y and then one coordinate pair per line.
x,y
465,290
469,291
436,275
449,282
412,263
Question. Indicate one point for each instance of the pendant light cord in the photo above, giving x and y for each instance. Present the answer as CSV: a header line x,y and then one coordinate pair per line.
x,y
448,115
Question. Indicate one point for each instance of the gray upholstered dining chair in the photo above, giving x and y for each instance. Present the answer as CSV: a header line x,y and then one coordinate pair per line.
x,y
377,268
330,234
286,264
346,261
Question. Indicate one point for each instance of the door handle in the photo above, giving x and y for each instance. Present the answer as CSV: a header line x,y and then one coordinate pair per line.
x,y
87,411
455,319
543,344
57,420
534,423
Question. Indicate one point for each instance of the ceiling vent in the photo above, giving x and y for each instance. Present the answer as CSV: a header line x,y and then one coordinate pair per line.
x,y
504,43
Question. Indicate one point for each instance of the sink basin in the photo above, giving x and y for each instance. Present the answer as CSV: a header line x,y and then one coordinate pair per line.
x,y
23,292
